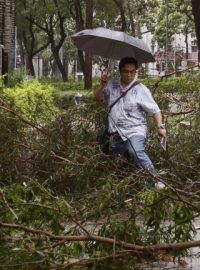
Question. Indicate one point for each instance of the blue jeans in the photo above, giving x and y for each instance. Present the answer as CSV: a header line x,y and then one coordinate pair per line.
x,y
133,148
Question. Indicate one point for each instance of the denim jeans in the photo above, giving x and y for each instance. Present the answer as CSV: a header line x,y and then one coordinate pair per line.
x,y
133,148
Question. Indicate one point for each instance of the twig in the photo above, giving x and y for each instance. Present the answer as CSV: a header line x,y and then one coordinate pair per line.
x,y
114,248
75,221
11,210
23,264
64,159
179,113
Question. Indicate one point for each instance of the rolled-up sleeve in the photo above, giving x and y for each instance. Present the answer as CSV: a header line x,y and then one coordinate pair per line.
x,y
147,102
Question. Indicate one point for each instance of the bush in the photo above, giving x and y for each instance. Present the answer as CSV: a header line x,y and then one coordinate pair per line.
x,y
32,99
58,85
15,77
183,84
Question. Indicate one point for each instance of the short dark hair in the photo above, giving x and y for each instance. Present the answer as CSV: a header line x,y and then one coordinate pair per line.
x,y
127,60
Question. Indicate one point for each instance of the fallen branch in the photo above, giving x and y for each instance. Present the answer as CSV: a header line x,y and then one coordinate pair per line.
x,y
93,237
179,113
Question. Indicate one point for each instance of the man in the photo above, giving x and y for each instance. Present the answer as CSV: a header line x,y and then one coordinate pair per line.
x,y
127,118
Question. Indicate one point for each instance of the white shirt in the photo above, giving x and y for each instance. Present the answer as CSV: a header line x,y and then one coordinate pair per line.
x,y
128,115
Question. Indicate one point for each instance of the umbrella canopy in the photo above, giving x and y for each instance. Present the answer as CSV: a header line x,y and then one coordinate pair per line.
x,y
112,44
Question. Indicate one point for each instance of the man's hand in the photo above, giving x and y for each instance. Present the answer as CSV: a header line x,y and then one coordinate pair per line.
x,y
162,132
160,127
163,137
98,93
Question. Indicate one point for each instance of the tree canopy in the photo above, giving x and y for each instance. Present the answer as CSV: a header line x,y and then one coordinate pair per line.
x,y
52,25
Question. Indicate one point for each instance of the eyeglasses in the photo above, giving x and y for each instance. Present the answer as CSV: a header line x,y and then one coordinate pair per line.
x,y
132,72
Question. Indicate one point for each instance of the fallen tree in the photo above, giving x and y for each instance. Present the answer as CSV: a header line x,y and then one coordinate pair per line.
x,y
64,203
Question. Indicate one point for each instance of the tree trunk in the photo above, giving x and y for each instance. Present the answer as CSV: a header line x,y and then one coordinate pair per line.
x,y
196,14
88,56
186,43
7,29
86,63
66,63
81,61
59,64
55,38
2,21
119,4
22,52
88,71
131,18
30,65
77,15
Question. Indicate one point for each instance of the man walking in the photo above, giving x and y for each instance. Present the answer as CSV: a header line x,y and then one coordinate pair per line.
x,y
127,118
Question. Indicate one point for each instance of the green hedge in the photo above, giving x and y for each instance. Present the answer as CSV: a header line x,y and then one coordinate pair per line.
x,y
32,99
184,84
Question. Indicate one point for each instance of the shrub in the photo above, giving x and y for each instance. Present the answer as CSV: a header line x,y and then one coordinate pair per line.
x,y
183,84
33,99
15,77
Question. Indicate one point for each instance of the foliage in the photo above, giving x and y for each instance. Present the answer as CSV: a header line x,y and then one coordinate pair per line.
x,y
180,20
64,92
15,77
33,99
59,182
63,86
186,83
139,16
106,13
9,148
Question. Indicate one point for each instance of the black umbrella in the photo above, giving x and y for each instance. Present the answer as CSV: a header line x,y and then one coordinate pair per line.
x,y
112,44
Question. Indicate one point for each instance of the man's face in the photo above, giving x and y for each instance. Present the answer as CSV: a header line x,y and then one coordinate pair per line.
x,y
128,73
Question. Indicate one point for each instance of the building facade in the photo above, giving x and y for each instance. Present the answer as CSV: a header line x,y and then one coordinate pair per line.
x,y
176,58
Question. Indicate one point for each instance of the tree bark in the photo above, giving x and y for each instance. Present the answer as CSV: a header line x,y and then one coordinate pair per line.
x,y
186,43
30,64
7,29
76,12
85,62
119,4
196,14
88,56
132,23
59,64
